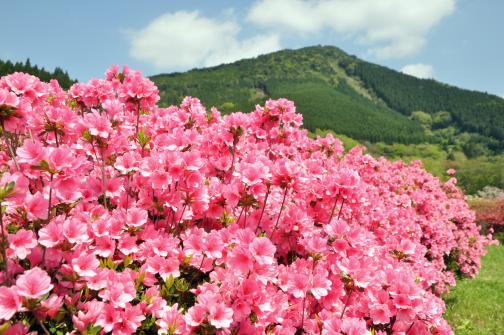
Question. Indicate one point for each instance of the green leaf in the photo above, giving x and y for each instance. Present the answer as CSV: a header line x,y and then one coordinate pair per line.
x,y
4,328
93,330
181,285
6,190
140,279
127,261
169,282
87,136
142,138
110,264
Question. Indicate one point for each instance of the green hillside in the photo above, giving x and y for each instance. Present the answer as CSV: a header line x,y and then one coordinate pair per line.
x,y
312,77
337,91
7,67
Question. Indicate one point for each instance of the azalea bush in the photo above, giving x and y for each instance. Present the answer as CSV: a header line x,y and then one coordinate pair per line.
x,y
118,216
489,211
490,215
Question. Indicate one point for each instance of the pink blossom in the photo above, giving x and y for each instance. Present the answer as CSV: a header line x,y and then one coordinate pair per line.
x,y
241,260
22,242
220,316
298,285
8,98
74,231
10,302
136,217
263,250
354,326
85,265
18,328
51,234
109,318
52,304
33,284
32,152
127,244
36,206
98,125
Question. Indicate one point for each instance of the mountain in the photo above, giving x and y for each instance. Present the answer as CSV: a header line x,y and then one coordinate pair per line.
x,y
7,67
340,92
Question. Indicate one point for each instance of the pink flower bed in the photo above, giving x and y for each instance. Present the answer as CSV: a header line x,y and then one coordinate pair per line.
x,y
119,216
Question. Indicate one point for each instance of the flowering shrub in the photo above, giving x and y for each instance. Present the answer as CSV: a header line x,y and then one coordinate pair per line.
x,y
119,216
489,211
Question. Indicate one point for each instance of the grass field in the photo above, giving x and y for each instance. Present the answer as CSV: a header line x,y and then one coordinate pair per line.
x,y
476,306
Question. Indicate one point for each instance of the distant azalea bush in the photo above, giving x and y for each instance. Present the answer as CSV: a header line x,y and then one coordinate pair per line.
x,y
489,211
122,217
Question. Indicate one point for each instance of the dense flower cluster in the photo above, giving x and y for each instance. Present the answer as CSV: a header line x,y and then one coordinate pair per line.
x,y
119,216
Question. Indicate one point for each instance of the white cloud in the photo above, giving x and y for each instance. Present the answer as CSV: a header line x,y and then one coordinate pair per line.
x,y
184,39
421,71
390,28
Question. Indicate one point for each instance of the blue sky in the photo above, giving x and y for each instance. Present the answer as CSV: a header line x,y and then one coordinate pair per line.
x,y
454,41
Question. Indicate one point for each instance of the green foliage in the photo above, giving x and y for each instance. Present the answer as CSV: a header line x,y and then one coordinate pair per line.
x,y
441,119
474,174
7,67
327,108
470,111
423,118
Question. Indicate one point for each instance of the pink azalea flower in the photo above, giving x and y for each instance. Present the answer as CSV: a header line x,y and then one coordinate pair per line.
x,y
119,294
33,284
165,267
52,305
36,206
32,152
104,247
263,250
332,327
131,319
74,231
320,286
220,316
98,125
109,318
51,235
10,302
136,217
451,172
127,244
354,326
18,328
213,246
195,315
8,98
241,260
67,189
85,265
22,242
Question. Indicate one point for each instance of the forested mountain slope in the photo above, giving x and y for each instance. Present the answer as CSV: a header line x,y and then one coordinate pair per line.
x,y
337,91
